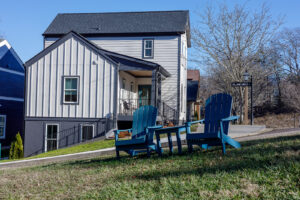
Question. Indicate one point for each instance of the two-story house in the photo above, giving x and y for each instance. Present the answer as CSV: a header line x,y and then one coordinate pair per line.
x,y
97,68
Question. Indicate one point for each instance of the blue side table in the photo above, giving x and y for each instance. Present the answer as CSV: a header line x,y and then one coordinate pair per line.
x,y
168,131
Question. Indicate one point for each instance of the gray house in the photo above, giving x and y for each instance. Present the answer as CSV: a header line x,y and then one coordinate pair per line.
x,y
97,68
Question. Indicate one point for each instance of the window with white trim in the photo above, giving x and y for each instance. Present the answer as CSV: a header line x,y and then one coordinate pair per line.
x,y
51,140
71,89
148,48
2,126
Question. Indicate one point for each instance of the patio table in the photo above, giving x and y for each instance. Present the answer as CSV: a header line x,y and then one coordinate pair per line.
x,y
168,131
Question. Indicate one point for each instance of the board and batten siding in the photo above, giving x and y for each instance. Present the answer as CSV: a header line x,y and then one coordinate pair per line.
x,y
44,95
165,53
183,74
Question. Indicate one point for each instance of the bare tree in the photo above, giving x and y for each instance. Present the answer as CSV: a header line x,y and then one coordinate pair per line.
x,y
288,42
230,42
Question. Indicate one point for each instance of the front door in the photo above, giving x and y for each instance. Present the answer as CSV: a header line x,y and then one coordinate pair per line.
x,y
144,95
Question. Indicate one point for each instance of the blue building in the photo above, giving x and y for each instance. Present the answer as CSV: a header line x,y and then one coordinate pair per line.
x,y
11,94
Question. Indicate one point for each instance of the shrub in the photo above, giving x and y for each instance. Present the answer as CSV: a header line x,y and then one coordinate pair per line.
x,y
16,148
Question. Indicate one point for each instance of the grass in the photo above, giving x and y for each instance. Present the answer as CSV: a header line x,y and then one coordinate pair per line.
x,y
264,169
90,146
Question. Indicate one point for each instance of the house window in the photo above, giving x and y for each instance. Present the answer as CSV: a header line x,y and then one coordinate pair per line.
x,y
71,89
123,83
148,48
131,87
87,132
51,140
2,126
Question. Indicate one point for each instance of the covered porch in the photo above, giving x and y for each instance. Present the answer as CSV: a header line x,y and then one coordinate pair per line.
x,y
139,84
138,87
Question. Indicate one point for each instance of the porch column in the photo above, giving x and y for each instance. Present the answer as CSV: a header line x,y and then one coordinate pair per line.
x,y
158,93
153,89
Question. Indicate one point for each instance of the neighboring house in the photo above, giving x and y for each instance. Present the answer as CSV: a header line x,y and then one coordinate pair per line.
x,y
97,68
11,94
193,94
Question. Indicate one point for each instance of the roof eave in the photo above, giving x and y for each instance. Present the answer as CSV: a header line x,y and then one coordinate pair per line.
x,y
117,34
61,40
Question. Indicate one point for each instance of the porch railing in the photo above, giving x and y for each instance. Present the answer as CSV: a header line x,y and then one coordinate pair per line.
x,y
128,106
167,113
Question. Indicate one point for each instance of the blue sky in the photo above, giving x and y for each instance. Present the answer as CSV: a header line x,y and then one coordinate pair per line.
x,y
23,22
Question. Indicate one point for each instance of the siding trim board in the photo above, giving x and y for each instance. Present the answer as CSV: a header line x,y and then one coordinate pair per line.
x,y
12,71
71,119
53,36
11,99
178,79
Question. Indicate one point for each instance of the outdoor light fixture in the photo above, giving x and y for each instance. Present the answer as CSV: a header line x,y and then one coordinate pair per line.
x,y
246,76
247,82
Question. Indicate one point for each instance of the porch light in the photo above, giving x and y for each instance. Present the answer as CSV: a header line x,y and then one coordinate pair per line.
x,y
246,76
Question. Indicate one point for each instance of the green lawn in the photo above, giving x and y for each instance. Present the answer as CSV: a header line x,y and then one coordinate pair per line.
x,y
265,169
90,146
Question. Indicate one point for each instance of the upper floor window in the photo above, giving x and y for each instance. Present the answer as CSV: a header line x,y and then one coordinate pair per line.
x,y
71,89
123,83
148,48
2,126
131,87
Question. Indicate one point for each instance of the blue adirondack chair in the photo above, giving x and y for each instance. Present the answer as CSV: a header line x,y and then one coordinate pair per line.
x,y
216,124
143,127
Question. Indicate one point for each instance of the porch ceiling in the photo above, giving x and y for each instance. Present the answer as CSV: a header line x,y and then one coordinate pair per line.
x,y
140,73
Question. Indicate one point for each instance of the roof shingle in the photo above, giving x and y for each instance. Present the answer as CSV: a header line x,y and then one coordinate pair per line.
x,y
121,23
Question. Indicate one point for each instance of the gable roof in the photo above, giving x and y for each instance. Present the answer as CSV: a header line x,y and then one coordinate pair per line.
x,y
121,23
62,40
9,59
118,59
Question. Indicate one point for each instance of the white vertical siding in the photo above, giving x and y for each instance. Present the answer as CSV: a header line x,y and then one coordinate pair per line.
x,y
183,74
39,89
72,58
28,90
100,87
33,84
165,53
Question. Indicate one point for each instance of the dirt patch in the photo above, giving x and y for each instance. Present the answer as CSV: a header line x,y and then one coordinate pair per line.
x,y
279,121
291,153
